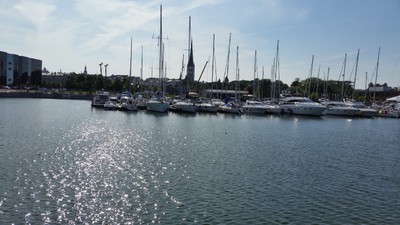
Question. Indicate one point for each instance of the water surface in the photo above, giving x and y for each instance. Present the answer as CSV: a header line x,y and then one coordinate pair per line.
x,y
62,161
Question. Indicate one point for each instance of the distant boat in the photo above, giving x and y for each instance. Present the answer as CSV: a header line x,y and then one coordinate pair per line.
x,y
254,107
337,108
127,102
230,108
111,104
363,110
158,102
141,102
206,105
100,98
183,106
390,110
186,104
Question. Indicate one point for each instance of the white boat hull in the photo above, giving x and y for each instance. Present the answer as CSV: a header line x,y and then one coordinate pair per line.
x,y
230,110
303,110
157,106
184,107
206,107
301,106
255,109
366,112
341,111
273,109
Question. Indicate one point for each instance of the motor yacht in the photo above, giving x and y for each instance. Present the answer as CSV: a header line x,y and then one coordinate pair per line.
x,y
301,106
338,108
363,110
100,98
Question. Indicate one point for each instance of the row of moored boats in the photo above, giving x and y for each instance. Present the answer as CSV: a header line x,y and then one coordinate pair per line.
x,y
288,105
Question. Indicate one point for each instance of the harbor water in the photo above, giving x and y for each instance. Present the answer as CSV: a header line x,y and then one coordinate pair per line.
x,y
63,162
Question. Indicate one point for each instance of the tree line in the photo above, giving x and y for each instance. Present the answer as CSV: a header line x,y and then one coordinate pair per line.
x,y
313,88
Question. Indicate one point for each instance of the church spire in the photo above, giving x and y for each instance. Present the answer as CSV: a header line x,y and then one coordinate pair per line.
x,y
190,70
190,62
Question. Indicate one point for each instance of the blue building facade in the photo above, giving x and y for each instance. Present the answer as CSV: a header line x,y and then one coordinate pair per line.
x,y
18,70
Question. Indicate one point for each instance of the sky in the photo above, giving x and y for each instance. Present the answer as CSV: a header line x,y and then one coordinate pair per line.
x,y
69,35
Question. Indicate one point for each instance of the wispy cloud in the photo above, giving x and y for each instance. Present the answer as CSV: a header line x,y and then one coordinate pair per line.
x,y
36,12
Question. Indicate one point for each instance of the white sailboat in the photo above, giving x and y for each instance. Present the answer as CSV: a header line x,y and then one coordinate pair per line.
x,y
207,106
158,103
254,106
364,111
230,107
187,105
127,102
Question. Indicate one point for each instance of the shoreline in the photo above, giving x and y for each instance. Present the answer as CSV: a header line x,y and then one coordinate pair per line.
x,y
45,95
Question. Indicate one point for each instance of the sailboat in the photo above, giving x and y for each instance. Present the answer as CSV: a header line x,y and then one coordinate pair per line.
x,y
127,102
207,106
141,101
187,105
158,102
230,107
364,111
254,106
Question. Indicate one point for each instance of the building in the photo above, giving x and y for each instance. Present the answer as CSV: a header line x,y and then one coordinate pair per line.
x,y
18,70
3,68
190,71
54,79
380,89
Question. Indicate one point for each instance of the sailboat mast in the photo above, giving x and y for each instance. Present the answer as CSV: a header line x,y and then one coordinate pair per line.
x,y
141,70
272,94
277,72
262,83
227,65
237,73
309,78
376,75
366,85
130,68
160,69
182,69
212,65
189,51
355,74
344,72
316,91
255,92
327,82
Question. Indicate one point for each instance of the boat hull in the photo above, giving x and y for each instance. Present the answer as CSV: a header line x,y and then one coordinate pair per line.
x,y
184,107
255,109
303,110
204,107
341,111
157,106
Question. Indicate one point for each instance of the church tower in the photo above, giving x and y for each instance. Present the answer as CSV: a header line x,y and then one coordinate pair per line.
x,y
190,71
